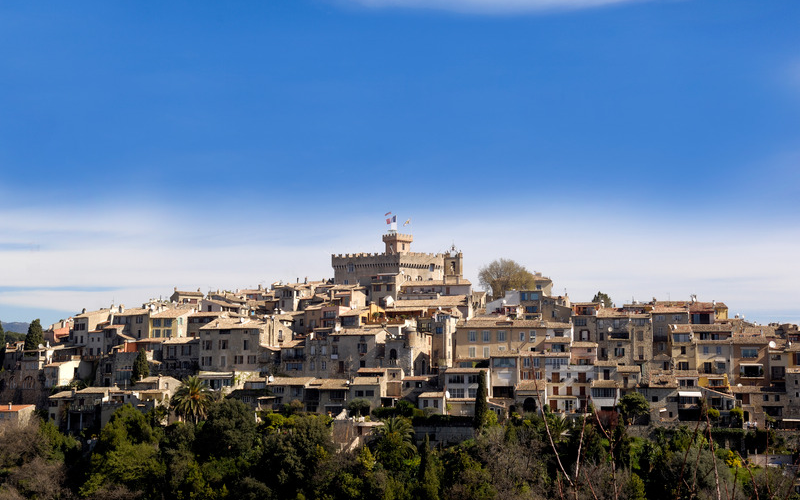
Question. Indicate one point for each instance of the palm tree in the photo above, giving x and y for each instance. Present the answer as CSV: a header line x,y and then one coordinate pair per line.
x,y
396,435
192,399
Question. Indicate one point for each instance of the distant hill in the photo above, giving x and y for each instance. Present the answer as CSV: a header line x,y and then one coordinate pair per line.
x,y
15,326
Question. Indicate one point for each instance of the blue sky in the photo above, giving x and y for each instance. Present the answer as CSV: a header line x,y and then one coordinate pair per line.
x,y
645,148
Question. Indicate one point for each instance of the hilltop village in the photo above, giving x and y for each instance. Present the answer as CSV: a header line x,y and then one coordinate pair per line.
x,y
402,325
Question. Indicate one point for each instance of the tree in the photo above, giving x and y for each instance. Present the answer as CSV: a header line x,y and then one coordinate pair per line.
x,y
358,407
633,405
505,274
229,430
35,336
141,368
604,298
481,406
192,399
2,344
395,442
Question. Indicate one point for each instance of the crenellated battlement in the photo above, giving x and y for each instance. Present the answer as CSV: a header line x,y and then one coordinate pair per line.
x,y
376,254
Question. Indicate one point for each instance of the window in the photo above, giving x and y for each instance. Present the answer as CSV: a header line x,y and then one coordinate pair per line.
x,y
456,379
156,322
323,365
457,393
431,268
473,337
139,319
207,345
167,322
603,392
501,335
719,350
522,336
472,352
473,379
683,365
486,335
619,351
705,349
580,321
532,335
238,360
246,345
472,393
223,344
504,363
749,352
485,352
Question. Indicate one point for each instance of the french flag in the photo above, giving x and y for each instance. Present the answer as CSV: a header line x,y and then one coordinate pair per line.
x,y
391,219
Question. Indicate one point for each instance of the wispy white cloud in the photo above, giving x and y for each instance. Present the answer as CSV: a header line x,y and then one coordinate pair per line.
x,y
129,257
491,6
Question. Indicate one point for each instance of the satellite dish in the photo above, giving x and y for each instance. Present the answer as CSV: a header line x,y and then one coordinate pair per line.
x,y
271,379
447,394
772,344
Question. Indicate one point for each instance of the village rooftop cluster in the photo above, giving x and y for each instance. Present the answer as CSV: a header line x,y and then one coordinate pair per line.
x,y
401,325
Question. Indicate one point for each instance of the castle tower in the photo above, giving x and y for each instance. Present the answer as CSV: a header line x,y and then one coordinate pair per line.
x,y
453,264
397,243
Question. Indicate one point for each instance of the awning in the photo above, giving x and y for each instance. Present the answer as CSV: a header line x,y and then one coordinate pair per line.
x,y
690,394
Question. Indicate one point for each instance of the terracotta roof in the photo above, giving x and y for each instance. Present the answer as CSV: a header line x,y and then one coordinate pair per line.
x,y
605,383
232,324
91,313
503,322
328,384
664,309
530,385
132,312
290,381
181,340
431,395
366,381
171,313
449,282
14,408
749,339
359,331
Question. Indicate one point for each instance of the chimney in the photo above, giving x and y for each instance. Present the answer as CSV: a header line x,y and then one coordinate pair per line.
x,y
9,406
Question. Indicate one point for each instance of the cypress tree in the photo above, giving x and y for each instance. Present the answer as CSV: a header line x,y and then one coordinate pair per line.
x,y
35,335
141,368
2,344
481,406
